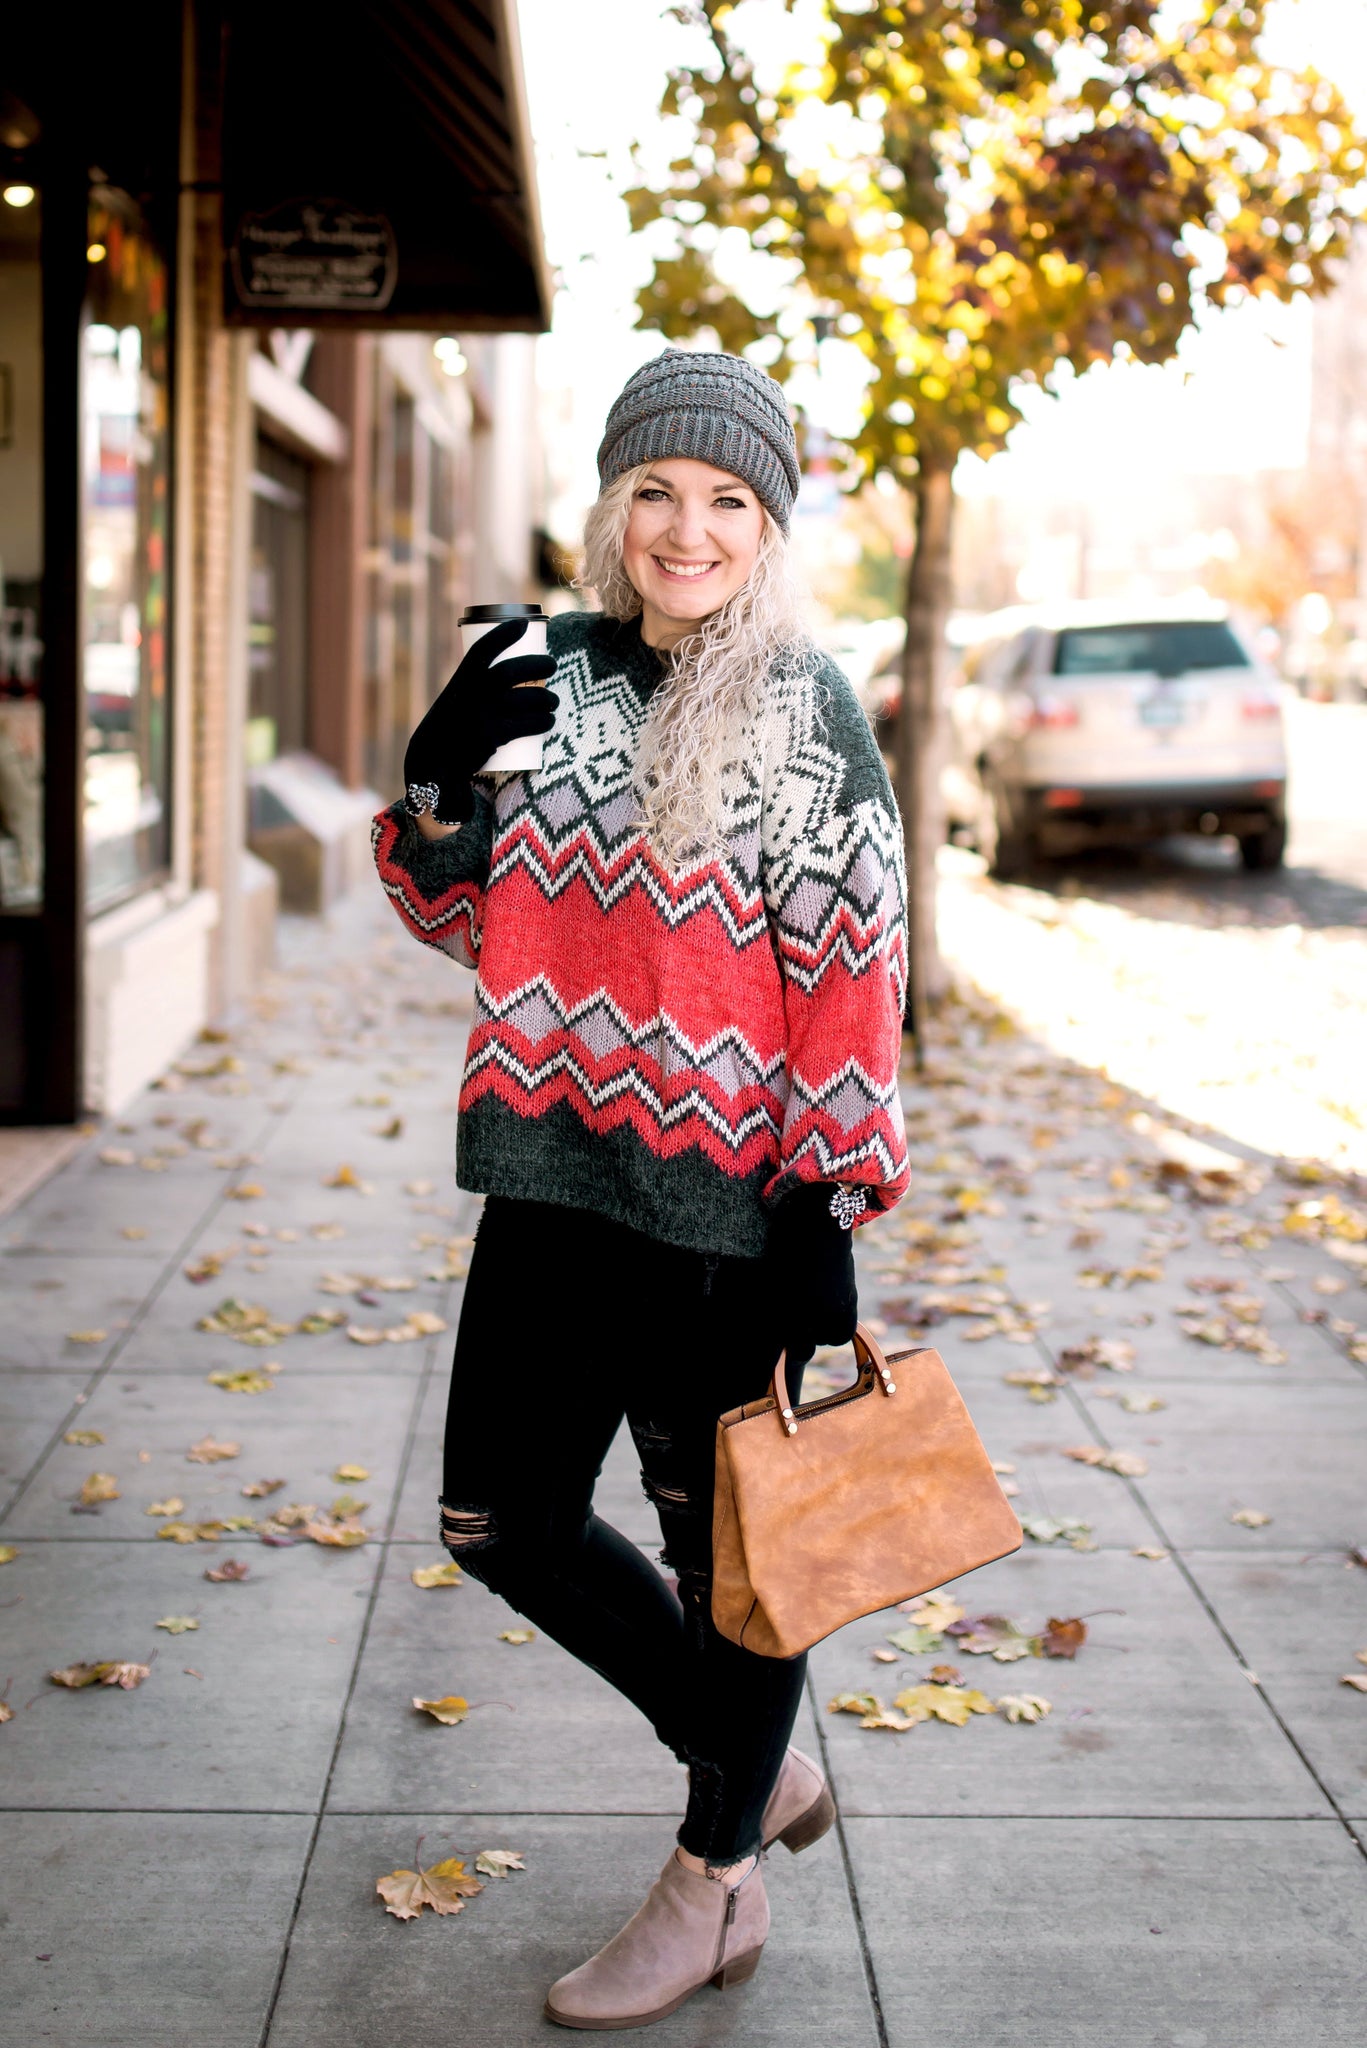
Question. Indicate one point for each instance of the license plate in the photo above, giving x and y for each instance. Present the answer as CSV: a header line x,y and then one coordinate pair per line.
x,y
1161,711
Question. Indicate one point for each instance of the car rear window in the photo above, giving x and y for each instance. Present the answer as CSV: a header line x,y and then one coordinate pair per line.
x,y
1169,647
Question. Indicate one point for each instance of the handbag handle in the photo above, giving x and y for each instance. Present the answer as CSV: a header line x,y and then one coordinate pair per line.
x,y
869,1354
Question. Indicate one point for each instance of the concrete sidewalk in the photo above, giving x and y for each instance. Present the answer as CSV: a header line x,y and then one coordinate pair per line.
x,y
1173,1856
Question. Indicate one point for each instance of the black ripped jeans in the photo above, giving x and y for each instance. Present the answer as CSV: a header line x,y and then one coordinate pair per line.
x,y
570,1322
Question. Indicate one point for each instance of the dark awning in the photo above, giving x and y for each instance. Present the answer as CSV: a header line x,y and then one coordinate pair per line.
x,y
377,167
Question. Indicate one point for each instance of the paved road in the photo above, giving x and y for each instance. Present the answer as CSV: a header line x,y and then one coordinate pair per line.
x,y
1239,1000
1323,885
1173,1856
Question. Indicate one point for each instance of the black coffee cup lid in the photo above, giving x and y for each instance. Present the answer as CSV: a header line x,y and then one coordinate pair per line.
x,y
495,614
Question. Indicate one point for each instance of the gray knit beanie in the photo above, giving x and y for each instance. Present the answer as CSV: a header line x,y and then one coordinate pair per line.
x,y
716,408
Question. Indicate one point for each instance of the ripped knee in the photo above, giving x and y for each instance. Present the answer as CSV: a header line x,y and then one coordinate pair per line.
x,y
467,1531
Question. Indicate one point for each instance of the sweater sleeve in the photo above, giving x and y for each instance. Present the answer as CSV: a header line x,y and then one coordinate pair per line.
x,y
835,892
437,885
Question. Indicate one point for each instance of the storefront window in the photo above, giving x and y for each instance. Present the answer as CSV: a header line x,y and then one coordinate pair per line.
x,y
278,606
21,551
125,520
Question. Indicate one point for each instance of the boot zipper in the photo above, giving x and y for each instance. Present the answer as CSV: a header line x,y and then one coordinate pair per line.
x,y
727,1918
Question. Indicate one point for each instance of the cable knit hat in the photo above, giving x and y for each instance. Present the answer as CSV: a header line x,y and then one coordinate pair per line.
x,y
716,408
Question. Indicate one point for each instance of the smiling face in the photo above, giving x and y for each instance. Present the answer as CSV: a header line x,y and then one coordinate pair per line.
x,y
690,543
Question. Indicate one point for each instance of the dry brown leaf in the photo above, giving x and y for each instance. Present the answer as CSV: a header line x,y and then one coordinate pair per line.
x,y
208,1451
517,1635
6,1712
392,1129
84,1438
259,1489
1128,1464
347,1177
110,1672
97,1487
1150,1551
450,1710
1250,1518
1063,1638
177,1624
444,1887
246,1191
8,1552
498,1862
1357,1679
230,1572
353,1472
85,1336
173,1506
429,1575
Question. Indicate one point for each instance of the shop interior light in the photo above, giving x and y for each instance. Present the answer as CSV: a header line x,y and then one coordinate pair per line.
x,y
96,253
19,195
450,355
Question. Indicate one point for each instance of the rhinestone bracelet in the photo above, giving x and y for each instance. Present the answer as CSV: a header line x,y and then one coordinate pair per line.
x,y
846,1204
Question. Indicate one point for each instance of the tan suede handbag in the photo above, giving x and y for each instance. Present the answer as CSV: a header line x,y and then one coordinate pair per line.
x,y
828,1512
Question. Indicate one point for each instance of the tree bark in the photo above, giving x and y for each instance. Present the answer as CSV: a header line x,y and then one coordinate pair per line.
x,y
921,729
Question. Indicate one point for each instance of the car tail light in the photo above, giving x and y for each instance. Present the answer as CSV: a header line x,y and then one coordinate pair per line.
x,y
1268,788
1052,714
1062,799
1261,707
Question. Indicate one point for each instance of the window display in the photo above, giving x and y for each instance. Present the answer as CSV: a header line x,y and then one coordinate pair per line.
x,y
125,518
21,553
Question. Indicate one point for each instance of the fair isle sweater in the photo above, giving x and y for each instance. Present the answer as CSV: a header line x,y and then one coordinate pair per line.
x,y
676,1050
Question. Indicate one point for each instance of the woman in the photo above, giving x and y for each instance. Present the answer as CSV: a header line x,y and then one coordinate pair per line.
x,y
680,1093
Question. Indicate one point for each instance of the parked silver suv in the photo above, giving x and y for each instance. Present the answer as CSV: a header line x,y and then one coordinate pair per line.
x,y
1085,725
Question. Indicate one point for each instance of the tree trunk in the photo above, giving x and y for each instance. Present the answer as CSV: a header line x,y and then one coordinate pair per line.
x,y
921,729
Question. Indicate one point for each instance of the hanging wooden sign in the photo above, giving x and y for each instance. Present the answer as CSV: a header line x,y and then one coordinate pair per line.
x,y
317,255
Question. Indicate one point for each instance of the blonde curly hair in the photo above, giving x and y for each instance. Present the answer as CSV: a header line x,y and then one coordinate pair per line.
x,y
695,733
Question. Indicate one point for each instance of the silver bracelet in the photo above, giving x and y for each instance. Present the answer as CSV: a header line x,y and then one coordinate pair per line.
x,y
421,797
847,1203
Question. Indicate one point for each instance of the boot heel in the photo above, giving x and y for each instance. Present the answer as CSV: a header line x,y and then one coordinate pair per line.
x,y
739,1970
810,1826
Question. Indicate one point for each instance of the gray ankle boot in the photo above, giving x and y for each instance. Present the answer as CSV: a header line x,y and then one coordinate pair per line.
x,y
691,1931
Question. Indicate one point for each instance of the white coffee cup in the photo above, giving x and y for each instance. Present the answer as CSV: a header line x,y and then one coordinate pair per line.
x,y
475,622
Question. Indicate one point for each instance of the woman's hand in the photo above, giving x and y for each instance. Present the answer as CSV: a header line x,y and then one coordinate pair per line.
x,y
481,708
812,1255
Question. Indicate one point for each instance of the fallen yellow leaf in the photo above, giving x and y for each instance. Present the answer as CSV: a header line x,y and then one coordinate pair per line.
x,y
1250,1518
241,1382
1154,1555
450,1711
517,1635
84,1437
99,1486
952,1703
498,1862
174,1506
1357,1679
351,1472
85,1336
177,1624
427,1575
8,1553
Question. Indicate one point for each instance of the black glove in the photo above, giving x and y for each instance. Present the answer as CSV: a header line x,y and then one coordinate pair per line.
x,y
813,1260
480,709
